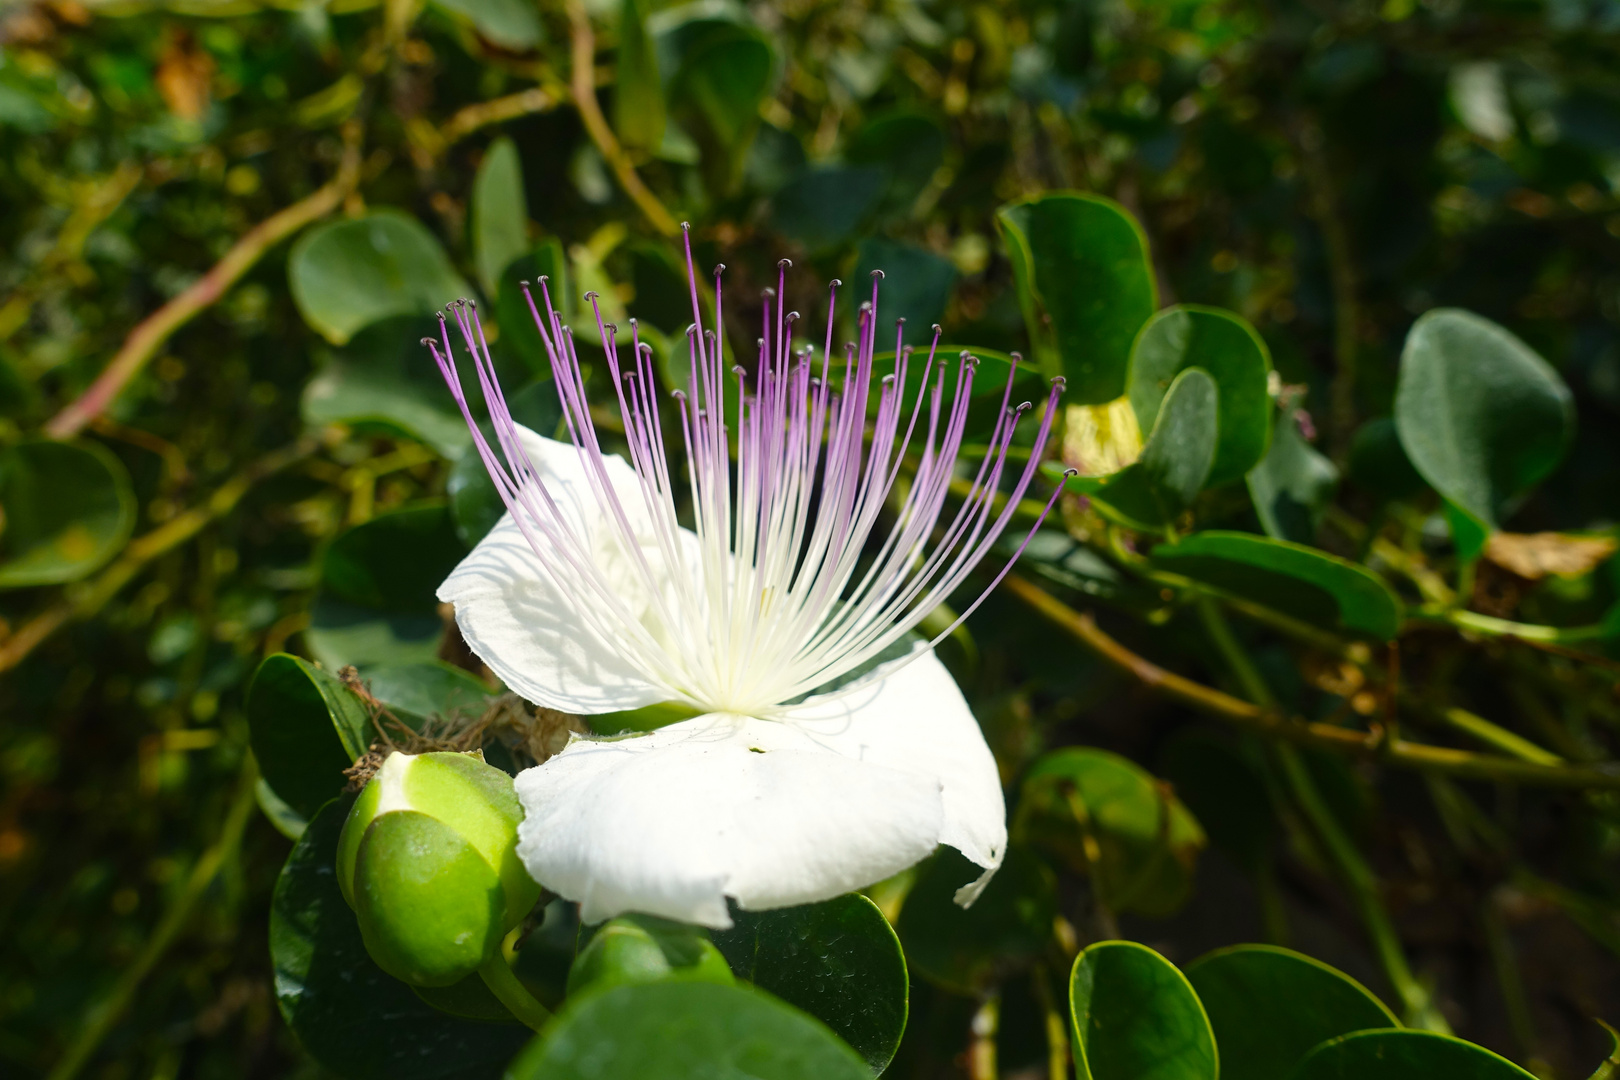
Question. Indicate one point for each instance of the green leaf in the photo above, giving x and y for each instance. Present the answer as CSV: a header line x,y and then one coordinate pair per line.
x,y
385,378
1404,1055
1379,464
722,70
500,214
1148,842
916,287
1085,285
511,24
837,960
1269,1006
685,1031
65,509
519,335
419,692
1482,417
1228,349
638,948
967,949
908,144
638,94
305,728
824,206
348,1015
1136,1016
349,274
376,602
1175,461
1300,581
1293,486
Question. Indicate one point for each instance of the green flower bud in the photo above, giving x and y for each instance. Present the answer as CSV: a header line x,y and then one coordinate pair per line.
x,y
428,861
644,949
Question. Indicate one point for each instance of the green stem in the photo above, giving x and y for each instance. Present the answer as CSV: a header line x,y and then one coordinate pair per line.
x,y
1273,915
1057,1028
498,976
1497,737
103,1016
1490,626
1341,850
1508,979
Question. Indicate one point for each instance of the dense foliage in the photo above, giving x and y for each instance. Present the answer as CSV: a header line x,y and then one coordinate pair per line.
x,y
1318,651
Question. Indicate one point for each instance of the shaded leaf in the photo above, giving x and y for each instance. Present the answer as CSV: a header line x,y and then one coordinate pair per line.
x,y
1270,1006
65,509
916,287
685,1031
966,949
837,960
500,214
824,206
1293,486
1404,1055
305,728
1134,1015
638,94
1301,581
1152,492
1085,285
1379,464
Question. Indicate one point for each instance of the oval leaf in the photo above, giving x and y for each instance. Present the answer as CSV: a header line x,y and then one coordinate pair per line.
x,y
1480,414
638,94
351,1017
1226,347
1080,800
1301,581
967,949
1293,486
1085,285
916,287
822,207
1134,1015
1269,1006
500,214
1175,461
511,24
1404,1055
376,603
65,509
305,728
685,1031
838,960
349,274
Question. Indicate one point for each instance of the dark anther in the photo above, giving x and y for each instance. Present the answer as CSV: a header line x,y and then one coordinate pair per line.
x,y
719,268
543,278
938,330
880,275
686,225
1017,358
835,283
784,264
792,316
592,295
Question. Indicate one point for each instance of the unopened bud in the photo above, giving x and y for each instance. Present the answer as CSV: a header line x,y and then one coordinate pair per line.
x,y
428,861
643,949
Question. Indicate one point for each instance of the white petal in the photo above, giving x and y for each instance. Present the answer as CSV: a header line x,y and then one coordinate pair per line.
x,y
524,627
914,719
673,822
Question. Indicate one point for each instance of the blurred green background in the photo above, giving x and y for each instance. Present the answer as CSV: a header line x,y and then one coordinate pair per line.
x,y
1329,170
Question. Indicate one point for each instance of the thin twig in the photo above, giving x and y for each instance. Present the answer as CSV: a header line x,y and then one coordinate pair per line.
x,y
1401,753
583,82
536,99
104,1016
83,602
144,341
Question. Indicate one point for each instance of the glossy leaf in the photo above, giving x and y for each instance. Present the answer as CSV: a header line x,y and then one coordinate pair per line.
x,y
1105,815
305,728
1270,1006
916,287
500,214
638,95
837,960
967,949
1135,1016
1309,584
1404,1055
511,24
355,1020
1175,461
376,602
1293,486
685,1031
1229,350
65,509
1085,285
348,274
1481,416
384,378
